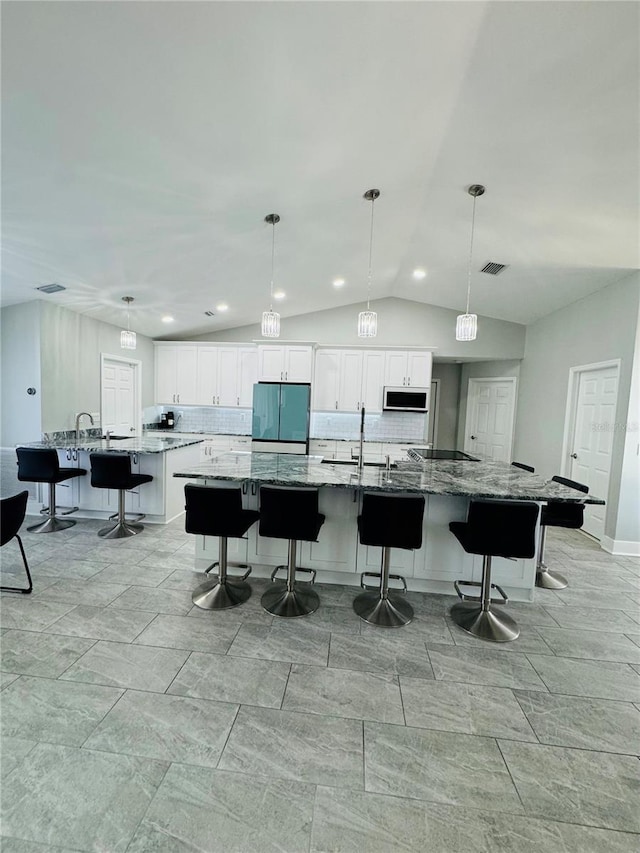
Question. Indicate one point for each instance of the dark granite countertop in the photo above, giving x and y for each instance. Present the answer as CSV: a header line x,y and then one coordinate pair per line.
x,y
146,444
482,479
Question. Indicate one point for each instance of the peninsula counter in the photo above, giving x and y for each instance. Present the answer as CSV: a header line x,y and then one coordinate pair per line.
x,y
338,557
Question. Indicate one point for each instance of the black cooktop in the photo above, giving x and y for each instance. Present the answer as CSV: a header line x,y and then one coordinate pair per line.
x,y
429,453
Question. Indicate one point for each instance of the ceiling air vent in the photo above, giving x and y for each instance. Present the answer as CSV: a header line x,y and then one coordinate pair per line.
x,y
492,268
209,314
51,288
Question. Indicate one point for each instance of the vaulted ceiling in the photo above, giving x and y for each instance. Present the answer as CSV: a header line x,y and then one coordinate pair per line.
x,y
143,143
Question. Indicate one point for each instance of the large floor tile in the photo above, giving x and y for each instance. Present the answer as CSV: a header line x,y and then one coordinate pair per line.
x,y
48,655
593,788
30,614
392,654
219,812
466,708
64,566
604,599
591,619
528,641
79,798
361,822
181,632
18,845
84,592
12,751
441,767
133,574
54,711
597,679
423,629
483,666
124,665
573,721
344,693
287,745
291,643
591,645
7,678
229,679
169,728
101,623
173,602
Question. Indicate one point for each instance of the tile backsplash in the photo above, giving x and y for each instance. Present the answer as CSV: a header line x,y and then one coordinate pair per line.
x,y
204,419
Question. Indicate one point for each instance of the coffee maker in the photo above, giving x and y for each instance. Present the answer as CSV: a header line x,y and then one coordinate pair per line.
x,y
167,420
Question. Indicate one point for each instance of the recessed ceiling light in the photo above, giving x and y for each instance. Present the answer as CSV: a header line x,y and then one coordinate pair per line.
x,y
222,306
279,294
338,282
167,319
419,274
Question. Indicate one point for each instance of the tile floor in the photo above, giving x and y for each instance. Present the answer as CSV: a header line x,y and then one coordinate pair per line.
x,y
133,721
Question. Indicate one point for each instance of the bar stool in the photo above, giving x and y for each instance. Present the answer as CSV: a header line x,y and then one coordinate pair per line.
x,y
558,514
290,513
113,471
493,529
388,521
12,512
524,467
218,512
41,465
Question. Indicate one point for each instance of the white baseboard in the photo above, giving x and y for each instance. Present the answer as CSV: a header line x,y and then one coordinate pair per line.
x,y
620,547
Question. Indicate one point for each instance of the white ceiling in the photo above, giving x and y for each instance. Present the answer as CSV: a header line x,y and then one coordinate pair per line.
x,y
144,142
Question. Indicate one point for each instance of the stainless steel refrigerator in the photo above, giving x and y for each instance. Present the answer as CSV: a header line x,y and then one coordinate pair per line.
x,y
280,421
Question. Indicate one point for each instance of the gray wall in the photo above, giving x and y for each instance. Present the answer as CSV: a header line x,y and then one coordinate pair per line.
x,y
449,376
628,521
598,328
71,347
21,413
401,322
481,370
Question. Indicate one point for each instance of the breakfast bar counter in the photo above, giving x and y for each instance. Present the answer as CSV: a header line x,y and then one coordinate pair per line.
x,y
338,557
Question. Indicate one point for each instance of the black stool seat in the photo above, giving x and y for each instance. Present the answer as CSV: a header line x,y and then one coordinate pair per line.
x,y
41,465
558,514
214,511
290,513
493,529
12,513
524,467
113,471
388,520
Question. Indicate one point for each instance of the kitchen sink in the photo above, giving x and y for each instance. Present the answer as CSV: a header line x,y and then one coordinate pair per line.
x,y
354,463
115,437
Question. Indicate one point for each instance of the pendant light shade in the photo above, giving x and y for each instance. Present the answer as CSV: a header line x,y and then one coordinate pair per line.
x,y
368,320
127,338
467,324
271,318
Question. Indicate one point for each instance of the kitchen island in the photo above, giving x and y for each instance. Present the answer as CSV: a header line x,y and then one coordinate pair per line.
x,y
161,500
338,557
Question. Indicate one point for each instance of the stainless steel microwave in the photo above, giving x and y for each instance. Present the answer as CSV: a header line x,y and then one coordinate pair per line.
x,y
405,399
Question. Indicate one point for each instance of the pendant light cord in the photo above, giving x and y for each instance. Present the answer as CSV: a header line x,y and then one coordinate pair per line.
x,y
473,222
273,253
373,201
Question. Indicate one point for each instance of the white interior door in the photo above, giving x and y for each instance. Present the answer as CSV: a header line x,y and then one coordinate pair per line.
x,y
491,405
590,451
120,411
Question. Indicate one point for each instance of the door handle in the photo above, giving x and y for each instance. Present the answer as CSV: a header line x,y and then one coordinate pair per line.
x,y
473,437
574,455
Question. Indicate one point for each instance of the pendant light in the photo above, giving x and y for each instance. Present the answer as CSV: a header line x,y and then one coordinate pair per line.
x,y
128,338
467,324
271,318
368,320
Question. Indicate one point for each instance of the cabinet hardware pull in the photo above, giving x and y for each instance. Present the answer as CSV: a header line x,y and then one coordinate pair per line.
x,y
237,401
286,374
336,404
178,398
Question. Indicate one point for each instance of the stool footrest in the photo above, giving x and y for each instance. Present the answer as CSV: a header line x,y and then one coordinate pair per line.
x,y
241,577
377,575
274,573
128,516
466,597
59,510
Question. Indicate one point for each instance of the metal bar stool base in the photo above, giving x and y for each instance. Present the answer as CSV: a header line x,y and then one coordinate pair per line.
x,y
213,595
51,525
280,601
550,580
492,625
121,530
384,612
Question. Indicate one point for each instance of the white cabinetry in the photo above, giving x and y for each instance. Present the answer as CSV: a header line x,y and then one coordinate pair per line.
x,y
347,380
373,362
285,363
404,368
226,376
326,387
176,374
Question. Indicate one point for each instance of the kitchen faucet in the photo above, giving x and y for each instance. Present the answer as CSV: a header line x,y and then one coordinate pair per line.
x,y
361,457
78,416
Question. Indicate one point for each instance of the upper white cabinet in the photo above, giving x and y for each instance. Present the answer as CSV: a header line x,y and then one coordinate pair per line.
x,y
206,375
176,379
285,363
411,368
348,380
